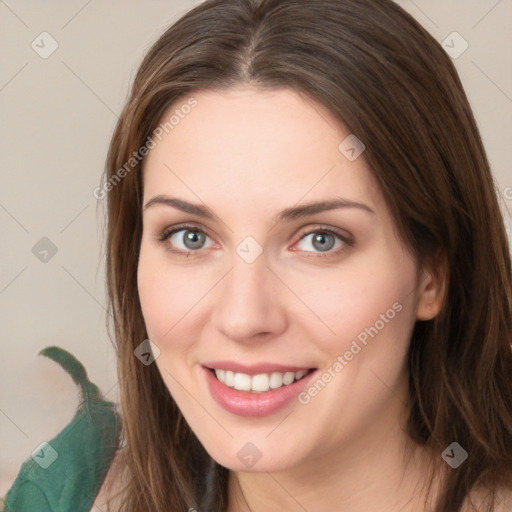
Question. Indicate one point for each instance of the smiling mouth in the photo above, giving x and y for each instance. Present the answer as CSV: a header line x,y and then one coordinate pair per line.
x,y
260,383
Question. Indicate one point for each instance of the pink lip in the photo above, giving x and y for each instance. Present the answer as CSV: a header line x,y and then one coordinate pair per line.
x,y
253,369
245,403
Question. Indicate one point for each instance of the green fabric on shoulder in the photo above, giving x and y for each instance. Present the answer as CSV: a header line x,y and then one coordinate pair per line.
x,y
66,473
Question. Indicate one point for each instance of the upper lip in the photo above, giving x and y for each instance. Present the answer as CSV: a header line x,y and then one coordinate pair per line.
x,y
254,369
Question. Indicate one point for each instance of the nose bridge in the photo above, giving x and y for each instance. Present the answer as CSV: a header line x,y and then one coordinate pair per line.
x,y
248,300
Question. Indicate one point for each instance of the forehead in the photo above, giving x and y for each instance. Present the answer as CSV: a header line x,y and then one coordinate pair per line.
x,y
253,145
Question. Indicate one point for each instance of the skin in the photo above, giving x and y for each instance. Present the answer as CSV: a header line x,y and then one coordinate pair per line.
x,y
247,154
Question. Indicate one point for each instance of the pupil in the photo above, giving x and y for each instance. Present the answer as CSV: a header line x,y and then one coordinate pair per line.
x,y
320,238
193,240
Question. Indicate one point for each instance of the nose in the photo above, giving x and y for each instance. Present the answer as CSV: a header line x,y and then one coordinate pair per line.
x,y
250,303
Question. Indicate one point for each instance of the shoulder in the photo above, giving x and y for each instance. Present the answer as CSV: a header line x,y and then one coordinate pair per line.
x,y
504,501
111,487
478,500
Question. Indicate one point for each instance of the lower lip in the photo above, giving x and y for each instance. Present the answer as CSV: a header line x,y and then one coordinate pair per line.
x,y
245,403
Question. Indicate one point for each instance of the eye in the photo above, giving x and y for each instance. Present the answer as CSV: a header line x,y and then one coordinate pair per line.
x,y
188,239
325,241
184,239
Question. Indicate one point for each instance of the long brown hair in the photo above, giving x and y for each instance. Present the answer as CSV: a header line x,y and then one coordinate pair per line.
x,y
390,83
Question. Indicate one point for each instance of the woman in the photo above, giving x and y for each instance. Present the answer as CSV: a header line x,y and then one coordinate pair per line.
x,y
308,270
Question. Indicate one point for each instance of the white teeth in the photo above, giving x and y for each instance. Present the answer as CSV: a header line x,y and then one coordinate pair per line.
x,y
258,383
299,375
229,379
288,378
276,380
242,382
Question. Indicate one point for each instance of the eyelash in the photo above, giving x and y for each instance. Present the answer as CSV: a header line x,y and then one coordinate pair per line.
x,y
167,233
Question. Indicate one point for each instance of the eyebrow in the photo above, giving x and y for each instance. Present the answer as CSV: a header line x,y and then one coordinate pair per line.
x,y
288,214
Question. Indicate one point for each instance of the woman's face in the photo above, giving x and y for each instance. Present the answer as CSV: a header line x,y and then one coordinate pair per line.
x,y
254,280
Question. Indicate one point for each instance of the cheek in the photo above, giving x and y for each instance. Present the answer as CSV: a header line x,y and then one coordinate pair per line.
x,y
172,299
162,295
368,303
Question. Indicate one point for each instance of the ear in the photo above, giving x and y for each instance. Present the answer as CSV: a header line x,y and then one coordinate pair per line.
x,y
431,289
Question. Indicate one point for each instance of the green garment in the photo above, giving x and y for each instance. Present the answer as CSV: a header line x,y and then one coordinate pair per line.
x,y
66,474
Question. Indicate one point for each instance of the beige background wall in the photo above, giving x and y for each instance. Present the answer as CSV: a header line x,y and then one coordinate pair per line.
x,y
58,114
